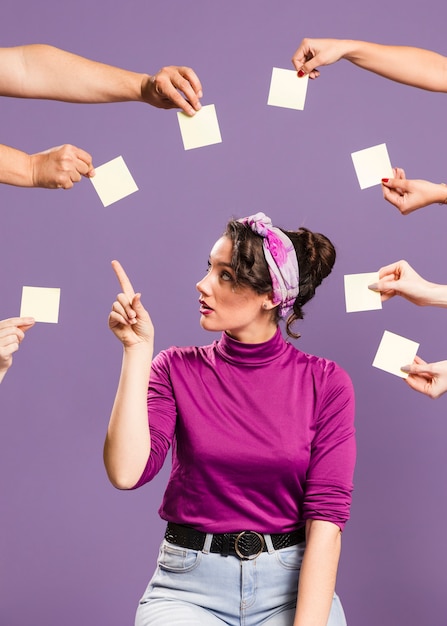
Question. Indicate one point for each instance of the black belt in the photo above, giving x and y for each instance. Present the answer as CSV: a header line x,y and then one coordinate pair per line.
x,y
247,544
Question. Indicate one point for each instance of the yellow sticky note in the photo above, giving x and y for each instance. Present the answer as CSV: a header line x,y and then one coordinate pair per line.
x,y
42,303
200,130
394,352
287,90
113,181
357,295
371,165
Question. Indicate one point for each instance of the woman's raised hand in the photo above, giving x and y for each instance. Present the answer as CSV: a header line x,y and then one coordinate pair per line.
x,y
128,319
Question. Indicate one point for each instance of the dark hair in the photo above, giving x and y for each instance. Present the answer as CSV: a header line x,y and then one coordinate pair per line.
x,y
315,254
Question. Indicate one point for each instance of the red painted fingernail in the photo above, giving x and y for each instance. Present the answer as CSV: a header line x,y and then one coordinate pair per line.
x,y
301,74
385,180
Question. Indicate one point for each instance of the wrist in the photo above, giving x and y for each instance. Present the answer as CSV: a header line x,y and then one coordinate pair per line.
x,y
141,350
353,50
442,196
146,81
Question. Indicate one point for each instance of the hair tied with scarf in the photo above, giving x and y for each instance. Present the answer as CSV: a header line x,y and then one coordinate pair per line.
x,y
281,259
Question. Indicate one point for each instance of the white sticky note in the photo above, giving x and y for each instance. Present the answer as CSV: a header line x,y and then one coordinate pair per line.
x,y
113,181
42,303
287,90
395,351
357,295
200,130
371,165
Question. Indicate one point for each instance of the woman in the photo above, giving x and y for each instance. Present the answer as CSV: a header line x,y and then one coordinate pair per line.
x,y
262,437
416,67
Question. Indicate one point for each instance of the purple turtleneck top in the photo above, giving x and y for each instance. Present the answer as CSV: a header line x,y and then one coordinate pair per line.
x,y
262,436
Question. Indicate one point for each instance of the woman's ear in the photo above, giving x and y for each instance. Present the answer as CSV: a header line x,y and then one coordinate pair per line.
x,y
268,305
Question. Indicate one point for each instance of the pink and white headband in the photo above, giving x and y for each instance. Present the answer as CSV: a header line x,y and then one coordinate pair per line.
x,y
281,260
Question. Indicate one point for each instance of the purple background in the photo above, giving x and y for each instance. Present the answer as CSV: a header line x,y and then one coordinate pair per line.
x,y
72,549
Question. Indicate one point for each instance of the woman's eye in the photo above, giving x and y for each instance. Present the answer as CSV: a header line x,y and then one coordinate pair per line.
x,y
226,276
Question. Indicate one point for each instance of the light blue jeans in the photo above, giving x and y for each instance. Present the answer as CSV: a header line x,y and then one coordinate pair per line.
x,y
191,588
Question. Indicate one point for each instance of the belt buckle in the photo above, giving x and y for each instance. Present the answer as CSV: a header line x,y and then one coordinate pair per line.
x,y
250,557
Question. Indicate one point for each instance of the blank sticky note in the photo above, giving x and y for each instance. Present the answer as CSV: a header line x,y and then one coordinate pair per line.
x,y
42,303
395,351
287,90
113,181
357,295
371,165
200,130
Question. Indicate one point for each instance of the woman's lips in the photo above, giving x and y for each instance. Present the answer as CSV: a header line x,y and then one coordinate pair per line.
x,y
204,308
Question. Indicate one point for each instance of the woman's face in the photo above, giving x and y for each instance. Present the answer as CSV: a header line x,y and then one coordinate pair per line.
x,y
239,310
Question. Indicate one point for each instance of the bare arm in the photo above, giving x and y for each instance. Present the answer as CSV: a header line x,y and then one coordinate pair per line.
x,y
127,445
412,66
56,168
318,573
42,71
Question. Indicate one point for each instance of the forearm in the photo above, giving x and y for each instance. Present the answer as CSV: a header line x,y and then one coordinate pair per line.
x,y
435,295
41,71
127,445
15,167
318,573
412,66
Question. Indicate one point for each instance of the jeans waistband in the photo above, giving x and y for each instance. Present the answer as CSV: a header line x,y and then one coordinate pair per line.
x,y
247,544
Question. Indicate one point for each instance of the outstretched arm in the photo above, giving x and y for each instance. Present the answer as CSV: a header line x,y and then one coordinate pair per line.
x,y
57,168
412,66
42,71
127,446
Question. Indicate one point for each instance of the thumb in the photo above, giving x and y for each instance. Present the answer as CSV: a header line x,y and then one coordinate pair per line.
x,y
138,306
395,183
308,67
415,368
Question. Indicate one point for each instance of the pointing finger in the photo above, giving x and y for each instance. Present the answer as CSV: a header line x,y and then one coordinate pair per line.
x,y
123,280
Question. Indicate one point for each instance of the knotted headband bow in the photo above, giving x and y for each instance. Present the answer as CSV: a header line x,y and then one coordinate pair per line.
x,y
281,260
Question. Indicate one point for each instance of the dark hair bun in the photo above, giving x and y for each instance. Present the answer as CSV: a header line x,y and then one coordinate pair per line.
x,y
316,258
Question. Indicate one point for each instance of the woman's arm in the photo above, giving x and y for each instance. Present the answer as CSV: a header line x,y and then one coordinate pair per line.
x,y
127,446
57,168
412,66
42,71
318,573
